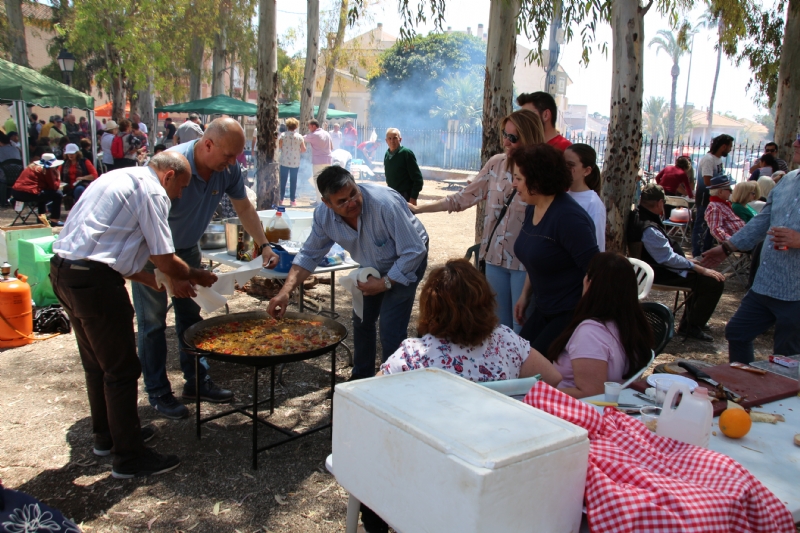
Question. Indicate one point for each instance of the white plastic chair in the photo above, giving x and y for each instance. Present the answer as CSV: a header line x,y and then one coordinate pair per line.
x,y
644,276
512,387
640,372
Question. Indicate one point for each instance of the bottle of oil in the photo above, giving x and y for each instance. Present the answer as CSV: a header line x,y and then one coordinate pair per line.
x,y
278,228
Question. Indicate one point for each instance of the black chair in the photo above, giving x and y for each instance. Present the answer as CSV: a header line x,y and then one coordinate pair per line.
x,y
10,169
662,321
473,254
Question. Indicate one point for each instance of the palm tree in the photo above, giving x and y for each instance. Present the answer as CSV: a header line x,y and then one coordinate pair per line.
x,y
653,113
675,48
710,20
460,98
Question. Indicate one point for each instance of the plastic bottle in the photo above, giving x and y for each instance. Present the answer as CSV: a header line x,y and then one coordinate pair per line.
x,y
690,420
278,227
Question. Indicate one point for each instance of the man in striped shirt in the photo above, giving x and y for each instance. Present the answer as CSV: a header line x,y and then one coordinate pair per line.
x,y
118,225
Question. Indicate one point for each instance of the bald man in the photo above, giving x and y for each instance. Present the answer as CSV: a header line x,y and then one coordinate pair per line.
x,y
215,172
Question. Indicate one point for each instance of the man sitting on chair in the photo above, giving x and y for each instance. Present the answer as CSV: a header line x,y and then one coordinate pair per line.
x,y
670,265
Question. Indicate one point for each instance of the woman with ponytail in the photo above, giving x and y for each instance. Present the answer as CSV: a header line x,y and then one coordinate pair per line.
x,y
585,189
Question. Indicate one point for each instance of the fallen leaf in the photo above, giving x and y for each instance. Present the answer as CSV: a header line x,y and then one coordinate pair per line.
x,y
150,523
216,508
192,527
179,520
280,499
245,474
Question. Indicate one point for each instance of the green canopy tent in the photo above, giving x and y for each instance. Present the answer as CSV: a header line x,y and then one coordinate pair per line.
x,y
216,105
21,86
292,109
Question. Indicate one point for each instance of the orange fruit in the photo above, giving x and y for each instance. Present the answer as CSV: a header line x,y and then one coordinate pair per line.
x,y
735,423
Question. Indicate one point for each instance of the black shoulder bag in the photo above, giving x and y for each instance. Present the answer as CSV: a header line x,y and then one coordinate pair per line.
x,y
482,262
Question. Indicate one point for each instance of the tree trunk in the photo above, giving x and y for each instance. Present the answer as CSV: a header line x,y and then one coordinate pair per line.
x,y
232,74
624,142
498,84
673,102
219,56
146,110
16,33
118,86
686,97
710,116
310,74
267,118
333,62
788,107
196,68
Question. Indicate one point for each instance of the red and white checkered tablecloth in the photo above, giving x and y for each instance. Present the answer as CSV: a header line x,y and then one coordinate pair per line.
x,y
638,481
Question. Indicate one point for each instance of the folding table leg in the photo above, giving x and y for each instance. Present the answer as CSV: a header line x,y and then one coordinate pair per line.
x,y
255,416
353,508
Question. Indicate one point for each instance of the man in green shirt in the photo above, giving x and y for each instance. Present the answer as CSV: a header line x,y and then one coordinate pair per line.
x,y
400,166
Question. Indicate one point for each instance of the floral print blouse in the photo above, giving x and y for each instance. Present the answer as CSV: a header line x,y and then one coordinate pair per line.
x,y
498,358
493,183
290,150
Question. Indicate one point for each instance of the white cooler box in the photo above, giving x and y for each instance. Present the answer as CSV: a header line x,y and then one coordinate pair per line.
x,y
432,452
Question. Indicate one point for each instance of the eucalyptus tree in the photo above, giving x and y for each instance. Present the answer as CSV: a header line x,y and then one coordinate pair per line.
x,y
310,73
267,118
15,33
332,62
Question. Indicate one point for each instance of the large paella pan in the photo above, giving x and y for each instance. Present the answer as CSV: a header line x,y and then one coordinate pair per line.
x,y
256,339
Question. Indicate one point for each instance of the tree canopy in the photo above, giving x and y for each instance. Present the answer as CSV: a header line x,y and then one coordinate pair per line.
x,y
404,90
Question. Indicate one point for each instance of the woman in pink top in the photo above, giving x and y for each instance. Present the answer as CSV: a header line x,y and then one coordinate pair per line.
x,y
609,338
504,272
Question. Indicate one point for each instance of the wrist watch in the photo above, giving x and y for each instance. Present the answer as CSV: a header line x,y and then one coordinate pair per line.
x,y
387,282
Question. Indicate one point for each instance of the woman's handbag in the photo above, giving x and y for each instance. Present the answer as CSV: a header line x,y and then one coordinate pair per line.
x,y
482,262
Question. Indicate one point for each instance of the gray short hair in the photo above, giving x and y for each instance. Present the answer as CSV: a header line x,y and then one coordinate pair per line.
x,y
333,179
165,161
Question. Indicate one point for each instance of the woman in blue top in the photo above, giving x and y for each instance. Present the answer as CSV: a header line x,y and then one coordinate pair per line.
x,y
555,245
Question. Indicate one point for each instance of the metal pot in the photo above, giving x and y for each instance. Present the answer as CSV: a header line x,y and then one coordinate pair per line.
x,y
234,233
214,237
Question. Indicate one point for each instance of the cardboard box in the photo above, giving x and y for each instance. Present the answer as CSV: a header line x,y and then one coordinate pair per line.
x,y
430,451
10,236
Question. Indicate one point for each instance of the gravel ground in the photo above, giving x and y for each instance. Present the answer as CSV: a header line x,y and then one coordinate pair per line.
x,y
45,429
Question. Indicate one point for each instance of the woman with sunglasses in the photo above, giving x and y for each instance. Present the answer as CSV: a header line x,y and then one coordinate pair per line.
x,y
504,272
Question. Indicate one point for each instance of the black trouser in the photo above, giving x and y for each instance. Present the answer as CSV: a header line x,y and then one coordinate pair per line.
x,y
702,301
45,197
405,194
542,329
97,303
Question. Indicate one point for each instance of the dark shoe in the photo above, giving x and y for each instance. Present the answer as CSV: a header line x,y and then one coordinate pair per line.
x,y
149,464
103,443
695,332
56,223
706,328
208,392
169,406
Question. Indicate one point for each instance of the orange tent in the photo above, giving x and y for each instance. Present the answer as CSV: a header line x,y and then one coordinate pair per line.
x,y
104,111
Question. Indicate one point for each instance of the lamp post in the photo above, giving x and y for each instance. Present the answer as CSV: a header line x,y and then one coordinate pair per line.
x,y
66,62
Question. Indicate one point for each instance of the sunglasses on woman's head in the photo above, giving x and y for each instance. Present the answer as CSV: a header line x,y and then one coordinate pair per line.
x,y
513,139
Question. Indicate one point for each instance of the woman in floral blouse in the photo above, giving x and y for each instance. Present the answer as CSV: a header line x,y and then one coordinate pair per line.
x,y
459,331
505,273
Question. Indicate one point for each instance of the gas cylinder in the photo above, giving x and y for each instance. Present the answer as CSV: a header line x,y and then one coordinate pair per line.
x,y
16,322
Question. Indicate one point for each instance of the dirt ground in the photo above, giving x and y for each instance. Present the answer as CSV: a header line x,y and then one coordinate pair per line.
x,y
45,429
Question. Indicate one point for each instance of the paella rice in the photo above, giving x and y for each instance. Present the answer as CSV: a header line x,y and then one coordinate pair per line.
x,y
266,337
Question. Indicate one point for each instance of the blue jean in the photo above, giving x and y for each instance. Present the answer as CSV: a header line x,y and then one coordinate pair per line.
x,y
151,318
394,309
701,237
78,190
756,314
507,286
291,174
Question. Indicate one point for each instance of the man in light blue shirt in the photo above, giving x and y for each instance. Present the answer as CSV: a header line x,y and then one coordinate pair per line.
x,y
374,224
774,298
215,172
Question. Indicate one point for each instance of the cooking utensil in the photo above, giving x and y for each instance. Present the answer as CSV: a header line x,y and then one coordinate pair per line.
x,y
192,333
748,368
644,397
702,376
235,233
214,237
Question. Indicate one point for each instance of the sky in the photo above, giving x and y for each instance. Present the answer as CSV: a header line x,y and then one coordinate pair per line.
x,y
592,84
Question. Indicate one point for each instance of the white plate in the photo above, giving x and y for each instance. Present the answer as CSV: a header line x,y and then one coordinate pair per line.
x,y
651,380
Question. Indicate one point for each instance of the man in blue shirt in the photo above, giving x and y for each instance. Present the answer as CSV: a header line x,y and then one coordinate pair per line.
x,y
215,172
774,298
374,224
